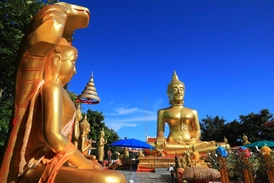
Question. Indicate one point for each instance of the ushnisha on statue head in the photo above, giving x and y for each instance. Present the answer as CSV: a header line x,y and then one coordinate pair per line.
x,y
175,91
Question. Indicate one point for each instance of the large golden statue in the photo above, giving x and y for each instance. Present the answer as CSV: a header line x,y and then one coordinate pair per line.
x,y
40,140
184,126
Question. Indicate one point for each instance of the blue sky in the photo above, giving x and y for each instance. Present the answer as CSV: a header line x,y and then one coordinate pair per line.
x,y
221,49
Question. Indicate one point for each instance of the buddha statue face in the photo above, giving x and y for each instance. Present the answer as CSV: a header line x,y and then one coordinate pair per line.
x,y
176,90
61,62
66,61
86,130
176,94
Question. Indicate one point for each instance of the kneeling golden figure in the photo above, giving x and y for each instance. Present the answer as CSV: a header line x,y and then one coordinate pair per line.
x,y
39,145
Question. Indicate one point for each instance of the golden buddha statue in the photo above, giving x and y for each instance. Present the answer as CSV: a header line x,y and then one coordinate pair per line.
x,y
76,130
183,123
101,146
40,141
126,152
141,154
85,144
245,140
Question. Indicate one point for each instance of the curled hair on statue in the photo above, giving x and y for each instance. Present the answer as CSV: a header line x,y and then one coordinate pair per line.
x,y
65,50
58,49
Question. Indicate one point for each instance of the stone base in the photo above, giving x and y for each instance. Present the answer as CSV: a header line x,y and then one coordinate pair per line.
x,y
153,162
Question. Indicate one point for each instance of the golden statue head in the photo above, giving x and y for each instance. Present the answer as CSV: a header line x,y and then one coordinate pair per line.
x,y
225,140
245,138
61,62
84,126
78,113
102,132
175,90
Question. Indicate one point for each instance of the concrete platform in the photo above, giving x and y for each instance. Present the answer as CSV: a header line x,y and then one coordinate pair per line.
x,y
146,177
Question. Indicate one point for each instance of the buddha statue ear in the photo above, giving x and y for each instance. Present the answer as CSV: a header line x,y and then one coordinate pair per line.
x,y
56,59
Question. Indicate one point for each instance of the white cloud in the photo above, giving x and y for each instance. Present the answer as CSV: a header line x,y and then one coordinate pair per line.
x,y
118,125
123,110
129,117
111,102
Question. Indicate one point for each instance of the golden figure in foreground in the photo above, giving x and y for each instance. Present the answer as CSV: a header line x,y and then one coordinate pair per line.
x,y
183,123
39,144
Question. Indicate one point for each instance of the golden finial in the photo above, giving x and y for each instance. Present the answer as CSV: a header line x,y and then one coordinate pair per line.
x,y
89,94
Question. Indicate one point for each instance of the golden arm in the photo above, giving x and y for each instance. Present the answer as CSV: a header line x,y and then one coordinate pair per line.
x,y
160,124
52,124
196,124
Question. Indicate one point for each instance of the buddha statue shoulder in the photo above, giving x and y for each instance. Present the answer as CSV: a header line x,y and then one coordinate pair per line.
x,y
39,148
183,122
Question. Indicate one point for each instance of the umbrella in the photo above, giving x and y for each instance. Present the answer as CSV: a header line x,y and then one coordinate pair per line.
x,y
133,143
260,144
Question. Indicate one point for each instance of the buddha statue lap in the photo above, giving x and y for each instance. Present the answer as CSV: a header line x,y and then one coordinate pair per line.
x,y
40,141
184,126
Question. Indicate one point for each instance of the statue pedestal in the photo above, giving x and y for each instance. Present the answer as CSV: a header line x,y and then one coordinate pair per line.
x,y
149,163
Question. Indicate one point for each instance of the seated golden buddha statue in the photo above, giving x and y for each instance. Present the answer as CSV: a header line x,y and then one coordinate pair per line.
x,y
184,126
85,144
40,145
76,129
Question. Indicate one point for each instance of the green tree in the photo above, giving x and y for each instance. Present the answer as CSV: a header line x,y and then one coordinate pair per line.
x,y
111,136
234,133
96,119
252,125
213,129
73,96
15,17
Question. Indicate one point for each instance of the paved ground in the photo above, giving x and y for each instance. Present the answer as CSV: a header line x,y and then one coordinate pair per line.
x,y
147,177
